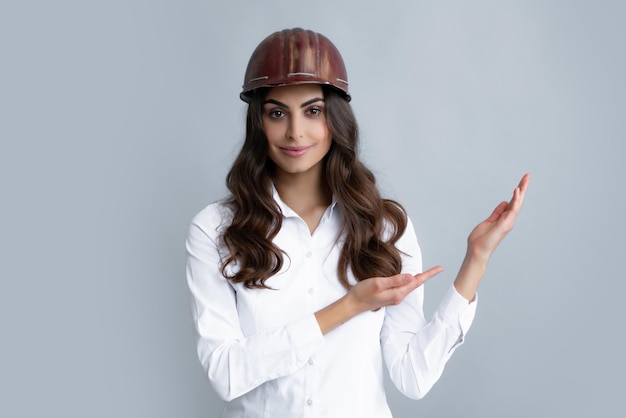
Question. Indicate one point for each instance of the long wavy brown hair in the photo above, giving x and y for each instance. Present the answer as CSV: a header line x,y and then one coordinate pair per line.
x,y
371,225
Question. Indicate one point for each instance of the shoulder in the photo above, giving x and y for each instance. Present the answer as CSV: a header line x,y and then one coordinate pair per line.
x,y
213,219
410,251
407,242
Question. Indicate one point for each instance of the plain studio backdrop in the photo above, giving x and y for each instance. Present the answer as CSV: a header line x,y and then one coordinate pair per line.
x,y
119,120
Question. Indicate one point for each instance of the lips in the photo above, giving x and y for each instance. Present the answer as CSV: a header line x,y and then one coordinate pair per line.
x,y
294,152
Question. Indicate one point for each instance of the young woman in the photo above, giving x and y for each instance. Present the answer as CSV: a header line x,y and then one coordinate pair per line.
x,y
305,279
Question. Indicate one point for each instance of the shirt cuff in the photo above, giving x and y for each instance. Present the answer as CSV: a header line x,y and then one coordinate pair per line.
x,y
456,311
306,337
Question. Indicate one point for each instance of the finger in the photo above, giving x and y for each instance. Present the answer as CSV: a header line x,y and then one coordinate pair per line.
x,y
523,184
423,277
515,205
498,211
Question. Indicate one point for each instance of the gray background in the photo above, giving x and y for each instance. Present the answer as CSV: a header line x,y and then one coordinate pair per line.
x,y
119,120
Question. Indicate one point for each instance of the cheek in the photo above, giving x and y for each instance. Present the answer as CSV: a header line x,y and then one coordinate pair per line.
x,y
272,131
327,135
319,130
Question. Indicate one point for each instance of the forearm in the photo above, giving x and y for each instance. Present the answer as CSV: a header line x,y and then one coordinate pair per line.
x,y
241,363
337,313
416,351
470,274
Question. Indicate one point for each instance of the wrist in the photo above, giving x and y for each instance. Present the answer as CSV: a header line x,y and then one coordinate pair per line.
x,y
471,274
477,257
351,304
337,313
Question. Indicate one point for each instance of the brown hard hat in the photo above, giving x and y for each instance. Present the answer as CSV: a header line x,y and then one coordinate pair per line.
x,y
295,56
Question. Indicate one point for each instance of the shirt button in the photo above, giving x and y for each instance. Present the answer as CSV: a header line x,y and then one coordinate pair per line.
x,y
309,254
309,401
310,290
310,362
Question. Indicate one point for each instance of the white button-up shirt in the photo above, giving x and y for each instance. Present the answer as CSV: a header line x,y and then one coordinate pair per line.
x,y
263,350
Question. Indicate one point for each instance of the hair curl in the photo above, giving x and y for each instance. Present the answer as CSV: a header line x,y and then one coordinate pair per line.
x,y
371,225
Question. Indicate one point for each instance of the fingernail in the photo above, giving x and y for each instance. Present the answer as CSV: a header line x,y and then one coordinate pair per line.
x,y
407,278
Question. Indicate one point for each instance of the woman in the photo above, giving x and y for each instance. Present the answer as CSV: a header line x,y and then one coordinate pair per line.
x,y
305,278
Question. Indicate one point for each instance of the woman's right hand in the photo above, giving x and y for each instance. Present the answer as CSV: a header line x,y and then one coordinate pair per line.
x,y
376,292
369,295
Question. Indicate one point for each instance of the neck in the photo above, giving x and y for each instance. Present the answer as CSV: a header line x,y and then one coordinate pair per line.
x,y
303,192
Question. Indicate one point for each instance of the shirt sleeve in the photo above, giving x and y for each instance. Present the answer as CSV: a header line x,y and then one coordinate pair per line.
x,y
233,362
415,350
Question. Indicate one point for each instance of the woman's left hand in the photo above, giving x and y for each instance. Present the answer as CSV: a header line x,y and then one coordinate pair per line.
x,y
484,239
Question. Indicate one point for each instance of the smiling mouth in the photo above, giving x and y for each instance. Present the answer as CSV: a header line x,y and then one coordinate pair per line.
x,y
295,151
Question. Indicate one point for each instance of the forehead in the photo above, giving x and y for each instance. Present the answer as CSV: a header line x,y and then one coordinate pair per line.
x,y
296,93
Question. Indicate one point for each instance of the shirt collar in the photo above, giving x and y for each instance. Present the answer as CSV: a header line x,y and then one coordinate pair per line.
x,y
288,212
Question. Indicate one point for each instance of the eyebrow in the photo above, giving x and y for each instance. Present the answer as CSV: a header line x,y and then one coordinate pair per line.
x,y
305,104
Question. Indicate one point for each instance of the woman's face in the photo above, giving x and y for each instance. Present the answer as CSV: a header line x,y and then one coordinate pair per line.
x,y
294,121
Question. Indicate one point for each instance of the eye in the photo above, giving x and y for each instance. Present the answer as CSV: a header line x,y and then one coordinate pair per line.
x,y
276,114
315,111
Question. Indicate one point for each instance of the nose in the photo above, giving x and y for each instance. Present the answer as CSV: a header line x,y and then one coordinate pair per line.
x,y
295,128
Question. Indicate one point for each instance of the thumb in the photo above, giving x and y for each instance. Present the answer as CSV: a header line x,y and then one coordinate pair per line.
x,y
398,280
